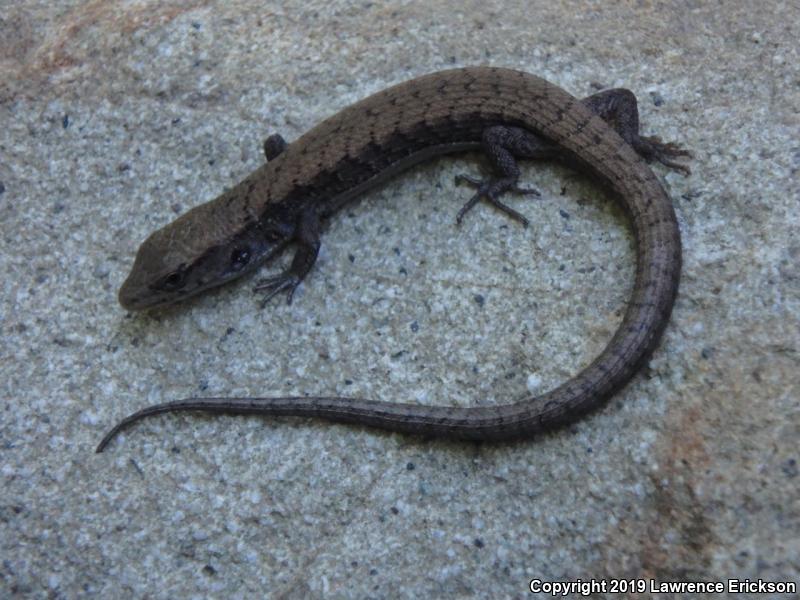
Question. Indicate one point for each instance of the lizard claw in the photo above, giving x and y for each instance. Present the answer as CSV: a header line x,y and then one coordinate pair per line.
x,y
490,190
272,286
652,148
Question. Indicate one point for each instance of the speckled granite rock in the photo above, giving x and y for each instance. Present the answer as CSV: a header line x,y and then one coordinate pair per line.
x,y
116,117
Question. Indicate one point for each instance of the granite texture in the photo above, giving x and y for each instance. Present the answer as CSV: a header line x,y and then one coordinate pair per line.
x,y
116,116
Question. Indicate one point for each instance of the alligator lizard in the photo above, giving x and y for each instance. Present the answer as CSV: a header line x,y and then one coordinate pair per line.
x,y
509,115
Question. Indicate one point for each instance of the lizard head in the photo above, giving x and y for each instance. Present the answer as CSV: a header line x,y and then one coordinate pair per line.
x,y
203,248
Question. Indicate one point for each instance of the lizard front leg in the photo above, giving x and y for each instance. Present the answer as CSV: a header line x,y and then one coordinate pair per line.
x,y
307,239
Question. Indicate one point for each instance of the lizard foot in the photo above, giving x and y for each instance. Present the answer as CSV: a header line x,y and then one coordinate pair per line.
x,y
489,190
272,286
652,148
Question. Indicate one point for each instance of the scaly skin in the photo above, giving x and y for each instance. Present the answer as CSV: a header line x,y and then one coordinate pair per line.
x,y
510,114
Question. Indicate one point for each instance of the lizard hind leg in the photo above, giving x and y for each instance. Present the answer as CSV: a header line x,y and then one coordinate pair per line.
x,y
618,108
503,145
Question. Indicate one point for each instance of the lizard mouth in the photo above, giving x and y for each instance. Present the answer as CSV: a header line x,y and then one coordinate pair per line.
x,y
133,296
132,301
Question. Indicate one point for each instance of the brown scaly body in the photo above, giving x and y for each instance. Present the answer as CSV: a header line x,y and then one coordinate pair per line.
x,y
510,114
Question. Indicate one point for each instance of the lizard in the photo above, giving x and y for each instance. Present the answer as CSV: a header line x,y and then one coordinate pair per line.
x,y
507,114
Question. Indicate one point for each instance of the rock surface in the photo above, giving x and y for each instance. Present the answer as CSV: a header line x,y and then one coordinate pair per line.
x,y
115,117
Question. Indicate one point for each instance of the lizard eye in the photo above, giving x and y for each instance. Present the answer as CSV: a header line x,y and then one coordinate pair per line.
x,y
173,281
239,258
